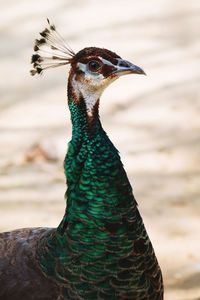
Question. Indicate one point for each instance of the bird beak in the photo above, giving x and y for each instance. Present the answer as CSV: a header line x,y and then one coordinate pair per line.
x,y
125,67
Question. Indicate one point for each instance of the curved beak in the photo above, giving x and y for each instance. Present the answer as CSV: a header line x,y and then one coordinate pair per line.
x,y
125,67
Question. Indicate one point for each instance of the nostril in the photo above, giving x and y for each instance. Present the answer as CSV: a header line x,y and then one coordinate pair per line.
x,y
124,63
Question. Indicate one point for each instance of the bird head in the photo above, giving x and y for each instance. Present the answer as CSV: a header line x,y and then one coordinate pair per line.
x,y
95,68
92,68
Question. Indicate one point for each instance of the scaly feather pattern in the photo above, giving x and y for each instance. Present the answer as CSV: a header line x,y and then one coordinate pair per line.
x,y
101,249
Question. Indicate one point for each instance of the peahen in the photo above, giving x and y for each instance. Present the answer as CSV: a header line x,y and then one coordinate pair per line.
x,y
101,249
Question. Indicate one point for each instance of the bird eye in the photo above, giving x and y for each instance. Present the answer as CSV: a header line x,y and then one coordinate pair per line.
x,y
94,65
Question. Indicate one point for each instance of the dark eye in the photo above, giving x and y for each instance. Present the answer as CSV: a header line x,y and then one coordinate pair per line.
x,y
94,65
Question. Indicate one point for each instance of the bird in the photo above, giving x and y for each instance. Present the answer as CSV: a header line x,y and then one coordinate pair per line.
x,y
100,249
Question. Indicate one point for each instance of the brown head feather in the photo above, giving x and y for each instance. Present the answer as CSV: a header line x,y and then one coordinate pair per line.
x,y
89,53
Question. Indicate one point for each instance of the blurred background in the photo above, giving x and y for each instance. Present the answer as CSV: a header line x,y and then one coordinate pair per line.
x,y
154,120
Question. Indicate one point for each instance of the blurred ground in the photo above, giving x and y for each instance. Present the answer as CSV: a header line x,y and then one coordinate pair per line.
x,y
154,120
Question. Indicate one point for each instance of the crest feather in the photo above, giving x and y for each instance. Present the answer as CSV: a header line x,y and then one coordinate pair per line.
x,y
51,51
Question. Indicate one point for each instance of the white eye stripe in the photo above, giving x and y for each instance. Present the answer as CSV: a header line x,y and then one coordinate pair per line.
x,y
105,61
83,67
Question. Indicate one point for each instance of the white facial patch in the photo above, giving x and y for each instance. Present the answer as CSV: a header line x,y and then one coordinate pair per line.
x,y
90,92
91,86
82,67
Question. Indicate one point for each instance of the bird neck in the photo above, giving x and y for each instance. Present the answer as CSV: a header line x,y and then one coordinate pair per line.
x,y
85,125
101,217
97,185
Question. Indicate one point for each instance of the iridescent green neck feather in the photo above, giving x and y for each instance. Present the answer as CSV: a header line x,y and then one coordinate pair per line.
x,y
98,188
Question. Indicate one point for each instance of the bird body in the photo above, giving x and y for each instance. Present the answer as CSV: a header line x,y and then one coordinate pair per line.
x,y
21,277
101,249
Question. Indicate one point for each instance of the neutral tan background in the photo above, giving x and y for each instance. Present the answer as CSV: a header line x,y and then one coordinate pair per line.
x,y
154,120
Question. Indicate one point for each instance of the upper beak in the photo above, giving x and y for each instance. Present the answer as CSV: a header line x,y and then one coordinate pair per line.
x,y
125,67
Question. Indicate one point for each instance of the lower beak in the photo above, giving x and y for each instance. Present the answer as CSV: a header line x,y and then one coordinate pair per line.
x,y
125,67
